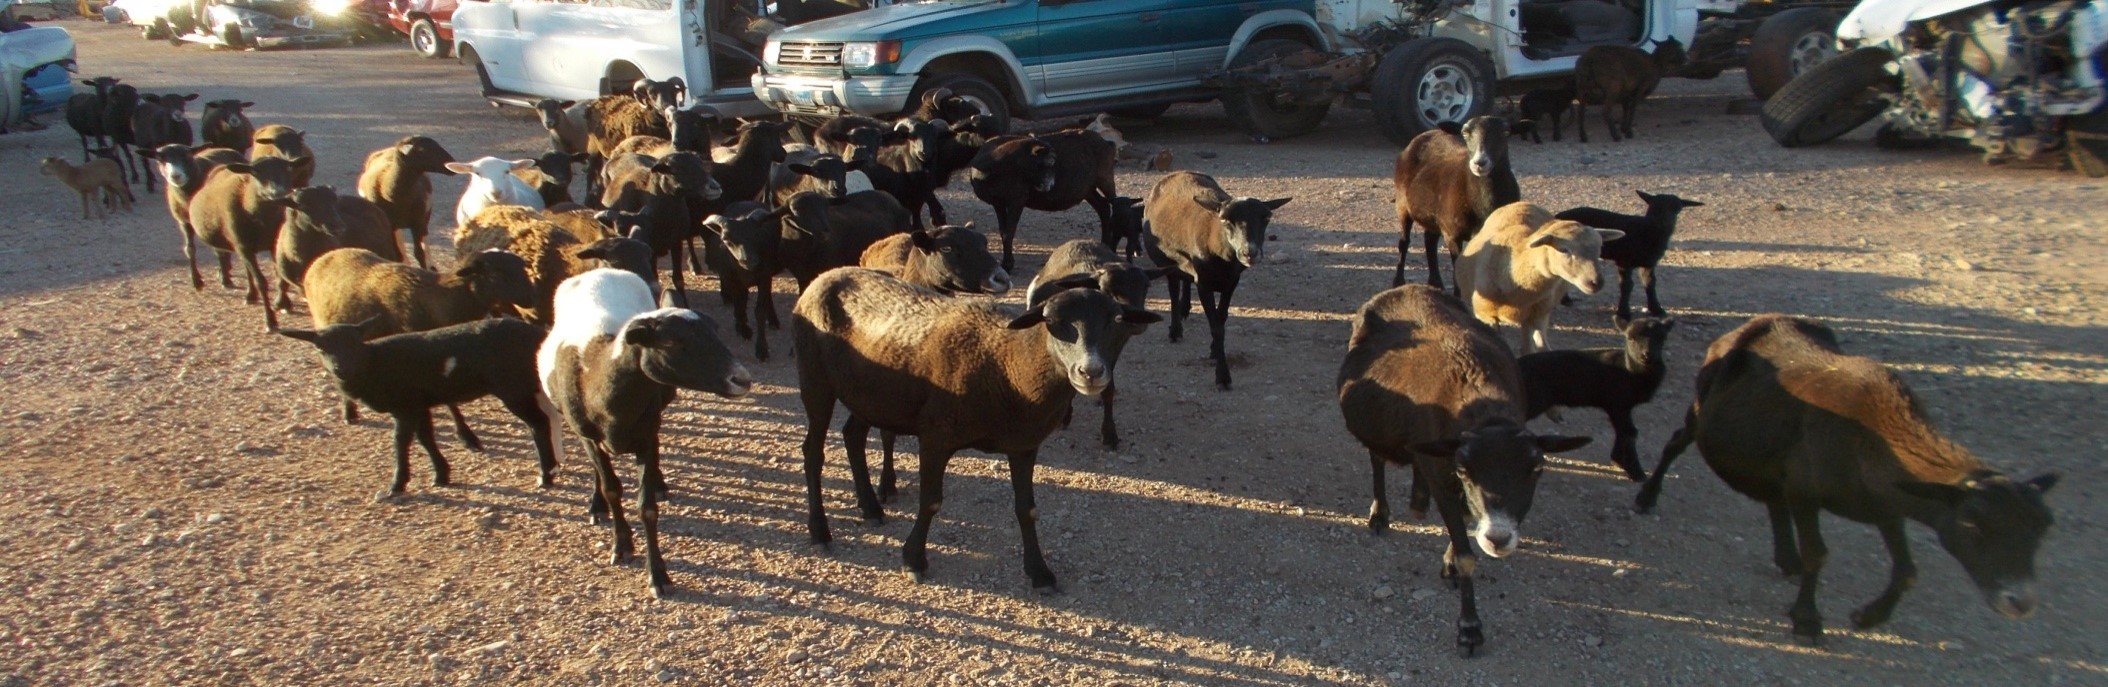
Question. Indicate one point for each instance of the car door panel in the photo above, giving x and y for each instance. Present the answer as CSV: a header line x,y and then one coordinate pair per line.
x,y
1089,47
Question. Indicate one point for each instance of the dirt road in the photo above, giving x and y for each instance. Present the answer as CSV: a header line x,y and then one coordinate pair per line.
x,y
184,507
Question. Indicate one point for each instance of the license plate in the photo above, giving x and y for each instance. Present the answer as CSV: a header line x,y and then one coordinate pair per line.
x,y
803,97
304,22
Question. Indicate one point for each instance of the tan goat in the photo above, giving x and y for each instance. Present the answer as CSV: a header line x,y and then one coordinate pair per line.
x,y
98,175
1515,270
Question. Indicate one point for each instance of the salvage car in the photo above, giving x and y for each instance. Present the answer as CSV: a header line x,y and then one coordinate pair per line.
x,y
34,65
252,24
428,23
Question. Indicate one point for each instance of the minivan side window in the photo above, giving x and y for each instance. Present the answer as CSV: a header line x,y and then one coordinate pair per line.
x,y
655,5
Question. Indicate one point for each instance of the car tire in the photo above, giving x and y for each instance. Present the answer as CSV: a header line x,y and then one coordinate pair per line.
x,y
1830,99
1787,44
974,89
424,38
1256,111
1428,81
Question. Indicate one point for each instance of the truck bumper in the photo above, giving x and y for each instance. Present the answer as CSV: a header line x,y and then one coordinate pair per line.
x,y
833,95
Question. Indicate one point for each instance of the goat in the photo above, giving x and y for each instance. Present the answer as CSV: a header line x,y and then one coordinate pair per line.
x,y
661,95
1081,171
1517,268
1542,105
805,168
394,179
742,249
823,233
157,121
954,373
1449,179
84,114
667,194
185,170
551,176
279,140
99,182
223,124
238,212
1425,385
404,375
1616,380
545,247
610,120
1783,415
1126,283
318,221
611,365
1619,75
1646,240
491,183
932,152
1201,236
565,120
119,101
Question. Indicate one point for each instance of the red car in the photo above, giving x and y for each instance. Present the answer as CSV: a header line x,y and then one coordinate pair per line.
x,y
428,23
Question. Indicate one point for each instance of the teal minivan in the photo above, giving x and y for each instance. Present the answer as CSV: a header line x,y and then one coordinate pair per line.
x,y
1030,58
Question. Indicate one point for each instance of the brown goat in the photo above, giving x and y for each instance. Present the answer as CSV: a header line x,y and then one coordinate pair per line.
x,y
1204,238
1785,417
1621,75
610,120
98,177
546,247
317,221
279,140
395,178
1448,180
1426,385
957,374
185,171
238,212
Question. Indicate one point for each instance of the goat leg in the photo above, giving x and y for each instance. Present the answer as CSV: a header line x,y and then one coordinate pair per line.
x,y
1218,314
648,515
914,553
467,436
1181,302
1581,120
1654,305
442,474
1807,619
819,409
886,490
1108,432
1460,564
226,268
1785,547
855,432
1624,293
609,488
1623,451
1405,246
1632,106
1679,441
1429,239
1610,121
1379,504
259,288
1027,509
530,409
405,430
1902,574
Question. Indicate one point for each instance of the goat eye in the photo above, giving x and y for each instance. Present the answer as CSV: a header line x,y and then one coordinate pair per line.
x,y
944,249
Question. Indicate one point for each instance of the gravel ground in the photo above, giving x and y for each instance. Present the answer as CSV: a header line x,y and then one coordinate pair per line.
x,y
187,509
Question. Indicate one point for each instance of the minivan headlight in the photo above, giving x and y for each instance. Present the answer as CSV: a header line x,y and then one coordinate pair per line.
x,y
868,55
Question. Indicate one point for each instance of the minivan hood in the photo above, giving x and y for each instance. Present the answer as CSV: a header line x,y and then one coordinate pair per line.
x,y
887,22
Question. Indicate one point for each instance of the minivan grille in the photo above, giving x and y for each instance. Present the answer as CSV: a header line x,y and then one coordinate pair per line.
x,y
809,54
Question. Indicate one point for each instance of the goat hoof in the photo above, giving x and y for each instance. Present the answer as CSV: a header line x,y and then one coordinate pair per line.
x,y
1379,526
874,520
545,482
385,495
1808,640
917,576
1048,589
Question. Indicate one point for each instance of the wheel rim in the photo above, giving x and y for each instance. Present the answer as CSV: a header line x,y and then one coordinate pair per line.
x,y
1445,94
422,40
1810,50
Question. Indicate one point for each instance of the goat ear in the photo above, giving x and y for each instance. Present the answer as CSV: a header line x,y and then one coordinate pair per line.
x,y
246,103
300,334
1933,491
589,252
1560,444
522,164
2043,482
1690,203
1437,449
923,240
265,141
1544,239
1139,316
460,168
190,97
716,225
1208,202
1645,197
1074,281
640,333
1035,316
802,168
405,149
1276,203
566,103
237,167
370,327
1620,322
1610,234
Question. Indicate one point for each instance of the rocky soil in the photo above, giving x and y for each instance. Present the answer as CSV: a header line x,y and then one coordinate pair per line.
x,y
185,508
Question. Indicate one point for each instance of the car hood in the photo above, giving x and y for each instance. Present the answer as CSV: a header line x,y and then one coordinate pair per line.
x,y
893,21
1879,20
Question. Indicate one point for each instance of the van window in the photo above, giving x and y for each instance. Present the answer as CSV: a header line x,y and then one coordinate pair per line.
x,y
654,5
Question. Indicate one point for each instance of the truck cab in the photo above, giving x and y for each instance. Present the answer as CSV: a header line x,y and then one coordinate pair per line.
x,y
1033,58
525,50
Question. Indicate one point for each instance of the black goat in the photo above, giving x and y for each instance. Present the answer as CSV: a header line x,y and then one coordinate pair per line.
x,y
404,375
1646,239
1616,380
1203,237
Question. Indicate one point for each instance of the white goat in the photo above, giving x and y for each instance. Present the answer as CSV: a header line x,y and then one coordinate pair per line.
x,y
1515,270
491,183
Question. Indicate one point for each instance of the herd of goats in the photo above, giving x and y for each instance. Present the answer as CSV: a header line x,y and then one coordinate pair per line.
x,y
555,307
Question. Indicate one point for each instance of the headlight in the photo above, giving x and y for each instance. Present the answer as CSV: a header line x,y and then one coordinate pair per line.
x,y
329,8
868,55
